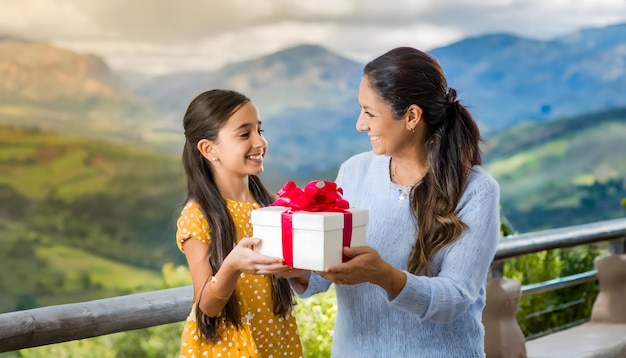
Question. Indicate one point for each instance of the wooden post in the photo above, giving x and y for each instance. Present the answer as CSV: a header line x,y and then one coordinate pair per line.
x,y
503,336
610,305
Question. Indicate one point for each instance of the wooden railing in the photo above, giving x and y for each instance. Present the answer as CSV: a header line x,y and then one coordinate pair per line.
x,y
518,245
67,322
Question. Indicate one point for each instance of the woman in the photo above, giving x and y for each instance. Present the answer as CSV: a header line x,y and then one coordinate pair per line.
x,y
418,288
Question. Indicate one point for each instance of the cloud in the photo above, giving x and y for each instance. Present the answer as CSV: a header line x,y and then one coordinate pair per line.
x,y
158,36
42,19
160,21
172,20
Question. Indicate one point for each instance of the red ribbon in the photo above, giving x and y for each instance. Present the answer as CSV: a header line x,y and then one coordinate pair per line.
x,y
317,196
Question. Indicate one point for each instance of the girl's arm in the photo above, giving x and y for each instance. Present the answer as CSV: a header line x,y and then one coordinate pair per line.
x,y
221,285
212,294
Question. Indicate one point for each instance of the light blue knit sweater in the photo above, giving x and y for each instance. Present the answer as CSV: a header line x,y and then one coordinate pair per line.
x,y
437,316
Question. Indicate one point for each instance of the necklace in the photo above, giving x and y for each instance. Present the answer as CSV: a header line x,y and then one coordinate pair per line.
x,y
405,190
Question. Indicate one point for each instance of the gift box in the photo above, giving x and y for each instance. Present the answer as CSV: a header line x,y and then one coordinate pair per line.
x,y
309,229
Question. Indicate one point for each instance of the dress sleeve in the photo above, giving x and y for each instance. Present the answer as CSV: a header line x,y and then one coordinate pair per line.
x,y
465,265
191,225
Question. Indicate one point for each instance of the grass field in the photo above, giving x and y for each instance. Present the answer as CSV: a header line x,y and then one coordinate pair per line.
x,y
530,177
108,274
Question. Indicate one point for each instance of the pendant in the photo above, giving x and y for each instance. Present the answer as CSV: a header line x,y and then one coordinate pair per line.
x,y
404,193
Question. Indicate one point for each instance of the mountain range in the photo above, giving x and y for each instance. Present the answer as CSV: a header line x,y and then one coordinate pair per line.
x,y
509,79
307,94
54,89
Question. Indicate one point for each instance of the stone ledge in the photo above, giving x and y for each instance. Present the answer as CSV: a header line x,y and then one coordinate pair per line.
x,y
589,340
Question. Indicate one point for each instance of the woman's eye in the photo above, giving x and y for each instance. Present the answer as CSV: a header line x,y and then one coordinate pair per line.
x,y
261,131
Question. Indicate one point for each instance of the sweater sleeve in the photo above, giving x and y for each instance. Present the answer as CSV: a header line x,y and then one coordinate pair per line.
x,y
465,265
316,284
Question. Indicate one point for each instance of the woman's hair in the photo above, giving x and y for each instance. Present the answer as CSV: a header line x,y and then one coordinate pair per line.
x,y
406,76
205,116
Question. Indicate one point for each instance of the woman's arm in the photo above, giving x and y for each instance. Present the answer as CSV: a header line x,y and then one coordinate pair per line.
x,y
366,265
299,280
465,264
306,287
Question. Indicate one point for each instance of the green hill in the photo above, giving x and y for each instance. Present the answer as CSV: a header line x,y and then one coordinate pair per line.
x,y
82,217
564,172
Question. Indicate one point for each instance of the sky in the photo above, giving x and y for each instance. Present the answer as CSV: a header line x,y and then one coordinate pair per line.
x,y
161,36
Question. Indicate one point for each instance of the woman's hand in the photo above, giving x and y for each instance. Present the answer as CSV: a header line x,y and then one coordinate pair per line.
x,y
366,265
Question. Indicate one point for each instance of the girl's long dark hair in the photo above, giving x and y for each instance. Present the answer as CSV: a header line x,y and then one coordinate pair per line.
x,y
205,116
406,76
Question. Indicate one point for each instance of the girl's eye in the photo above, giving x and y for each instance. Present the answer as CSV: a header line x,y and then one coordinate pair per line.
x,y
261,131
244,135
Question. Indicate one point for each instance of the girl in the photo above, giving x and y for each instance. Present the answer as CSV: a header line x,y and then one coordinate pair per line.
x,y
237,311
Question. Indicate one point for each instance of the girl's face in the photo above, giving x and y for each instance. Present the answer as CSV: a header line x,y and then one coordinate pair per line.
x,y
388,136
240,146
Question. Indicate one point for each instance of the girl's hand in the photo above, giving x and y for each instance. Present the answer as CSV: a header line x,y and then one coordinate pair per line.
x,y
243,258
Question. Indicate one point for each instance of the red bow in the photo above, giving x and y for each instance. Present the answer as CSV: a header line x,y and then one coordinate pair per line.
x,y
318,195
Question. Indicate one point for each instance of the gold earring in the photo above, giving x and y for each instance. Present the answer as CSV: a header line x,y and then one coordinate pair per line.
x,y
213,159
412,129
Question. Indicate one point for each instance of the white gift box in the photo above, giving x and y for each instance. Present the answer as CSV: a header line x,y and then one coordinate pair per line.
x,y
317,236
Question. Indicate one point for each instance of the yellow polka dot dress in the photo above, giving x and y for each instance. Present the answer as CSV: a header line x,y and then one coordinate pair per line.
x,y
263,334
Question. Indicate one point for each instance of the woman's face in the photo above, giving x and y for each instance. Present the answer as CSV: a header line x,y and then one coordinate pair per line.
x,y
240,146
388,136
